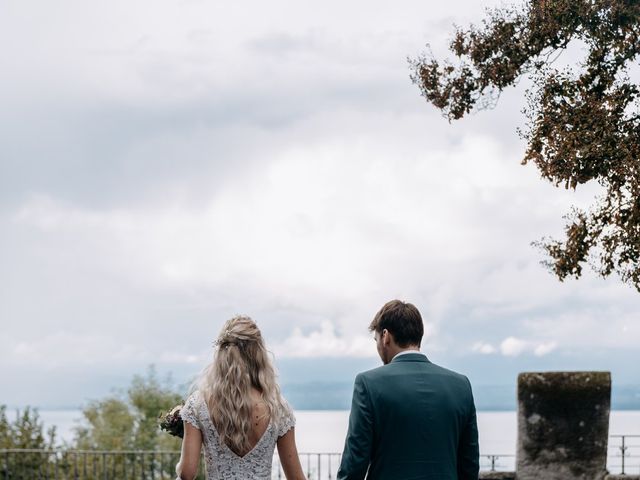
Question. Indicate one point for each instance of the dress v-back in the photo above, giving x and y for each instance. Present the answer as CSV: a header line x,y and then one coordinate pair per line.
x,y
221,462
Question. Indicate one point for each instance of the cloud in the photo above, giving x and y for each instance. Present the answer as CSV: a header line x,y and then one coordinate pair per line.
x,y
513,347
68,350
604,324
296,238
543,349
325,343
203,163
483,348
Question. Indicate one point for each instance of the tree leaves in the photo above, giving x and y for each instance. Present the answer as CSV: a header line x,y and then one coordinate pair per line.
x,y
582,122
130,422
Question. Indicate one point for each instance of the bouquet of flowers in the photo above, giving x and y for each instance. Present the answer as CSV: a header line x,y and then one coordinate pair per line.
x,y
171,422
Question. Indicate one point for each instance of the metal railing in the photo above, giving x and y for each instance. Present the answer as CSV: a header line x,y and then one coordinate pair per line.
x,y
61,464
624,454
497,462
315,465
31,464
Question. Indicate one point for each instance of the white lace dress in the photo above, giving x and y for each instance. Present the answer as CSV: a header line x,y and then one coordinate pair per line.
x,y
221,462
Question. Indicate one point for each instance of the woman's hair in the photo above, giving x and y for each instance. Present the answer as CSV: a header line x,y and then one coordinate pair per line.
x,y
240,362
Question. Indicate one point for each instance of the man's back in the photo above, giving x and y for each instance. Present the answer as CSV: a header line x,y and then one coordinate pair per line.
x,y
411,419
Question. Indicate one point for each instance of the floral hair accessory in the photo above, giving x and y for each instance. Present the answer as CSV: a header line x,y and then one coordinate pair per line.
x,y
222,338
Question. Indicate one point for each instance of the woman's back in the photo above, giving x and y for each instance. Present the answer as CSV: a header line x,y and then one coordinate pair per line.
x,y
220,460
260,419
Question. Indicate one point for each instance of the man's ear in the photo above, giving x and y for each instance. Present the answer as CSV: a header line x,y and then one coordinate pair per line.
x,y
386,336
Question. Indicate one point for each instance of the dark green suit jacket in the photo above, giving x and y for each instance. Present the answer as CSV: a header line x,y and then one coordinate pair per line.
x,y
411,419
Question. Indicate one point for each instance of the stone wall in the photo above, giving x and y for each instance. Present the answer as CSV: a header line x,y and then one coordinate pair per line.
x,y
512,476
497,475
563,425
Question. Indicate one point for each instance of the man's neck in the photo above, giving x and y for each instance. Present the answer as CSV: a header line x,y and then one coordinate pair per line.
x,y
404,351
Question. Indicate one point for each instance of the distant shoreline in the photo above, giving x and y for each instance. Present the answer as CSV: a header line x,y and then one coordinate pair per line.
x,y
324,430
336,396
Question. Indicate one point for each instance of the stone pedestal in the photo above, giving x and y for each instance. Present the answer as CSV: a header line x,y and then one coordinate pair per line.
x,y
497,475
563,425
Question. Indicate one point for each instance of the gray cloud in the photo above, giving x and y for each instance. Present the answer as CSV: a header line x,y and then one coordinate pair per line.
x,y
172,171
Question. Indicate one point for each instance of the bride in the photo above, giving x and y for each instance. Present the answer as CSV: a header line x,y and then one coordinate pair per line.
x,y
237,412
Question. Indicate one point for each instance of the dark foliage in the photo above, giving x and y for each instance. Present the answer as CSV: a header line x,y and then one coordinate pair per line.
x,y
583,120
171,422
26,432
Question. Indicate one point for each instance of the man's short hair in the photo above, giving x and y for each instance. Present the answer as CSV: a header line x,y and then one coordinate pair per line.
x,y
402,320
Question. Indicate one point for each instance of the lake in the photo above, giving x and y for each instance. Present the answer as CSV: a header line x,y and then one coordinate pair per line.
x,y
324,431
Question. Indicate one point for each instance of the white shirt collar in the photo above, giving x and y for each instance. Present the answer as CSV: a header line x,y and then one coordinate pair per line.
x,y
407,352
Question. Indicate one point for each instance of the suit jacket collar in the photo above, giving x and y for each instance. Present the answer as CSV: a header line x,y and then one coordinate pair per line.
x,y
410,357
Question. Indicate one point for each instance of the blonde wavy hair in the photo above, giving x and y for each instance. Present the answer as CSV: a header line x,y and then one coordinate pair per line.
x,y
240,362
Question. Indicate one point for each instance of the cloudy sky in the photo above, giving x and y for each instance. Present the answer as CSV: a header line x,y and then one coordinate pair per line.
x,y
166,164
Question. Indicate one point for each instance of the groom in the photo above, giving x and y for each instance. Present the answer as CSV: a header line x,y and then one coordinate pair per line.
x,y
410,418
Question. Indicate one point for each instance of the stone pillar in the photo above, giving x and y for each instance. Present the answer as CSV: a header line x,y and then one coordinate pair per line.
x,y
563,425
499,476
